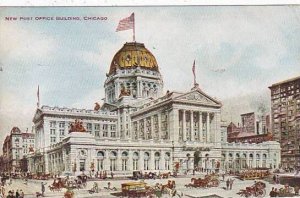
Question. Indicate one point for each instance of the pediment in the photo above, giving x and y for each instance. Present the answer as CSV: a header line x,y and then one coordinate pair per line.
x,y
197,96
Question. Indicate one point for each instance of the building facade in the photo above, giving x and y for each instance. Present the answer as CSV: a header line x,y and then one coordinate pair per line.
x,y
15,149
285,107
137,128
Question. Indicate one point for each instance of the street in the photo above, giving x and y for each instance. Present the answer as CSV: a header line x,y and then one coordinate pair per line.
x,y
34,186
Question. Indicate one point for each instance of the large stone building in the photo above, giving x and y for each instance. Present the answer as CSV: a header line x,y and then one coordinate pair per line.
x,y
17,145
254,129
139,127
285,106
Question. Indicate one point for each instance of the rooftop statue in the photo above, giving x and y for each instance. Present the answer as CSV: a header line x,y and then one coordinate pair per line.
x,y
124,92
97,106
77,127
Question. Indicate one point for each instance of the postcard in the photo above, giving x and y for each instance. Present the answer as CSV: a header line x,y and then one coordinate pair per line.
x,y
150,101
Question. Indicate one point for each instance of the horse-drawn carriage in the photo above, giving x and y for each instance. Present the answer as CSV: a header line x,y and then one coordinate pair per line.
x,y
256,190
58,184
254,174
136,189
208,181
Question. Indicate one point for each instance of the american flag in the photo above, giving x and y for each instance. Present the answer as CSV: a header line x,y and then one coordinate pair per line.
x,y
126,23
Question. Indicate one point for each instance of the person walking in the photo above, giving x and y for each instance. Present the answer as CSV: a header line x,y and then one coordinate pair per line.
x,y
231,183
43,188
17,194
227,184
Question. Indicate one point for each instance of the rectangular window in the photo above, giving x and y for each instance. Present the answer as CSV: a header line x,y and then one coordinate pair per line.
x,y
61,124
82,165
113,134
52,131
53,139
97,126
62,132
105,133
52,124
97,133
89,126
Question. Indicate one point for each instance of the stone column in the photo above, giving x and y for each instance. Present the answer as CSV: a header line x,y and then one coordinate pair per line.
x,y
159,125
119,160
254,159
200,127
261,159
247,160
145,128
162,161
183,125
192,126
152,127
207,128
174,125
106,161
141,161
130,160
152,158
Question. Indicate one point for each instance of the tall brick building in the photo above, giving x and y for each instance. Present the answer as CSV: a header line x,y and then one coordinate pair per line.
x,y
285,107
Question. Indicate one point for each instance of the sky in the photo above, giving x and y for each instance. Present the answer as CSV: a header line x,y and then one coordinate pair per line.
x,y
239,52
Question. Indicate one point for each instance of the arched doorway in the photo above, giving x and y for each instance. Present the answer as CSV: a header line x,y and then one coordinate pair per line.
x,y
197,159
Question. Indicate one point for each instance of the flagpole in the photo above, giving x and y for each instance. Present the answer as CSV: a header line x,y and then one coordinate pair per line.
x,y
133,28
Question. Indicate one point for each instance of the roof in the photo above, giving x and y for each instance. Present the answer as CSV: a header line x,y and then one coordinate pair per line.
x,y
132,55
285,81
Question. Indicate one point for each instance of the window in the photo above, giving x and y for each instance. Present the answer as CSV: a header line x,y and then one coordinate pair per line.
x,y
146,161
53,139
135,161
113,134
61,124
52,131
97,133
82,165
89,126
97,126
62,132
52,124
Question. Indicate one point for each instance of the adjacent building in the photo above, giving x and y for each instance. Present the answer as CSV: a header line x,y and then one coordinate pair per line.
x,y
140,127
285,107
254,129
15,148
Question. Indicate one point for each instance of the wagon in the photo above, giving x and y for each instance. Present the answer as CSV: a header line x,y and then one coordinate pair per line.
x,y
136,189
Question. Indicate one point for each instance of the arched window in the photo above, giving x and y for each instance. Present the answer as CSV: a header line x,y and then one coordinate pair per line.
x,y
257,160
124,160
264,160
135,161
167,161
146,160
100,159
113,160
156,160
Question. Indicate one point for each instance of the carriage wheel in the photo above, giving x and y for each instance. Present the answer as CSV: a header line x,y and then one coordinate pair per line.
x,y
260,193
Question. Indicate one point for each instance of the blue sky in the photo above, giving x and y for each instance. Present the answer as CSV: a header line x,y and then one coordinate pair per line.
x,y
239,52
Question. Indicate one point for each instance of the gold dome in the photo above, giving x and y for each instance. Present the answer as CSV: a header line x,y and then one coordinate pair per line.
x,y
132,55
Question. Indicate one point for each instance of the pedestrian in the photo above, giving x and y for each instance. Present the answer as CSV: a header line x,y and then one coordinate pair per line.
x,y
43,188
277,179
112,175
272,192
2,190
22,194
296,190
223,176
231,183
17,194
274,179
227,184
276,193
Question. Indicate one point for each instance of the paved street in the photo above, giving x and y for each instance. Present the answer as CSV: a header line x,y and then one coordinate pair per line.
x,y
34,186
